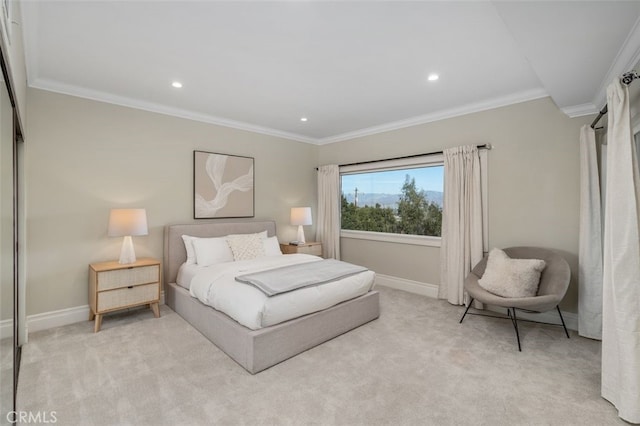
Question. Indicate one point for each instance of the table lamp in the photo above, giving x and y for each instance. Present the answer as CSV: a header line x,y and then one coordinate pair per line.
x,y
301,216
127,223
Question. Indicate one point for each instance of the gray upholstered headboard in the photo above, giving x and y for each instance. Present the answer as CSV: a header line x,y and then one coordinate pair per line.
x,y
175,253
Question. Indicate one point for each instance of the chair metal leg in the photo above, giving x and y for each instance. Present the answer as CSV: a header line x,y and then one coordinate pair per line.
x,y
511,312
465,311
562,319
514,321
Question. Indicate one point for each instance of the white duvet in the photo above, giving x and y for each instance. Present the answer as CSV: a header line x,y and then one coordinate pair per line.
x,y
216,286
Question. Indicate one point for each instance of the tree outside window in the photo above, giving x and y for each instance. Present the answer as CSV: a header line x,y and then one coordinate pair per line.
x,y
386,203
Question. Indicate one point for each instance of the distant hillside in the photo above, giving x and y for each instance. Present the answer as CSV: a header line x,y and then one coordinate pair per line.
x,y
390,200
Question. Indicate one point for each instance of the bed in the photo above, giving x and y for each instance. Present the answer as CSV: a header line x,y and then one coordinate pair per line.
x,y
255,350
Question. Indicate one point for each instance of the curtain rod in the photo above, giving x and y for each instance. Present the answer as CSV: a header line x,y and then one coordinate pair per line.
x,y
626,79
483,146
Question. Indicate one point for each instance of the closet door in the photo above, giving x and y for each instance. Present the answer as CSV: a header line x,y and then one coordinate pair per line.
x,y
9,349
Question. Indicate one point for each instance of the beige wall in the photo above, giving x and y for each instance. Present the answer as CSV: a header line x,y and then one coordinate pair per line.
x,y
85,157
533,183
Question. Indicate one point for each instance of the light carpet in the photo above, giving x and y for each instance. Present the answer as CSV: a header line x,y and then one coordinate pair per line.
x,y
415,365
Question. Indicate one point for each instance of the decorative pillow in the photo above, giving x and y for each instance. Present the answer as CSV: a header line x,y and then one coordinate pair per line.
x,y
508,277
271,246
188,245
262,234
246,246
210,251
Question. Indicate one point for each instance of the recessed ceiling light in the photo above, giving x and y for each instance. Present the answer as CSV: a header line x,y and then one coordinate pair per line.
x,y
304,119
433,77
176,84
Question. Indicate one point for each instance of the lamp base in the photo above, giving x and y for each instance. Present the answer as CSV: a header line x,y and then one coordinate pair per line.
x,y
127,252
300,237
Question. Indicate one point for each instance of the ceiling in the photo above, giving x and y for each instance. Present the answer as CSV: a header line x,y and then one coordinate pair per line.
x,y
351,68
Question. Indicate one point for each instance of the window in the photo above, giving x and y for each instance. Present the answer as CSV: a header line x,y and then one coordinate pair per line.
x,y
399,201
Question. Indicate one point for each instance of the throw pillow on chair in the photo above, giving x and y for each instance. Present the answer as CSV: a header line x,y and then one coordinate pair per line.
x,y
508,277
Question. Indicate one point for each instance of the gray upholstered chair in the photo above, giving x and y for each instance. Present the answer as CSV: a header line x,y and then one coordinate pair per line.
x,y
554,282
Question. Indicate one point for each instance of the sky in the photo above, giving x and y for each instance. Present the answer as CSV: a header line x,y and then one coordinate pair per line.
x,y
390,182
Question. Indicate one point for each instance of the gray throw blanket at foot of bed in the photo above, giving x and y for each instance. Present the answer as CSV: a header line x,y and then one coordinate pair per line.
x,y
288,278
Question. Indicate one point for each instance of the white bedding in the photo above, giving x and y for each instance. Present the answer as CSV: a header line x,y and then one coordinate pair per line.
x,y
216,286
186,273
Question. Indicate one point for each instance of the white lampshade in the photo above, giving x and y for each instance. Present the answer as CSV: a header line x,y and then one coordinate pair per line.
x,y
301,216
126,223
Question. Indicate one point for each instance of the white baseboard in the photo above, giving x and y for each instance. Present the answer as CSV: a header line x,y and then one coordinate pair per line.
x,y
417,287
6,328
431,290
47,320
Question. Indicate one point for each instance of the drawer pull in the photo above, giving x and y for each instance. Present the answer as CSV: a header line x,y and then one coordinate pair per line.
x,y
130,286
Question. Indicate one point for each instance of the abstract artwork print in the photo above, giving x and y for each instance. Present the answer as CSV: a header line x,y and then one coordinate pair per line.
x,y
223,186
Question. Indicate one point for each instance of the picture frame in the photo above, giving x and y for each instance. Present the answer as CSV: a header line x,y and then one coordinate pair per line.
x,y
223,186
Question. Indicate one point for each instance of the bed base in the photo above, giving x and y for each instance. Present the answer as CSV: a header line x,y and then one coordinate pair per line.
x,y
255,350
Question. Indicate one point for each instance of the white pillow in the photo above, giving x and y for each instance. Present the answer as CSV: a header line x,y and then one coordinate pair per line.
x,y
188,245
210,251
246,246
271,246
508,277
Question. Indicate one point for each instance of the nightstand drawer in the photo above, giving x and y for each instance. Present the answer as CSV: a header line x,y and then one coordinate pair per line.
x,y
129,296
127,277
313,248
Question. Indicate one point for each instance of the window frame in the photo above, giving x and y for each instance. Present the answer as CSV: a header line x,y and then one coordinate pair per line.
x,y
385,165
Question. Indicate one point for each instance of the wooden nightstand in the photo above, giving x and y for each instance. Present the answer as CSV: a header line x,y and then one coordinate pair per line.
x,y
113,286
310,247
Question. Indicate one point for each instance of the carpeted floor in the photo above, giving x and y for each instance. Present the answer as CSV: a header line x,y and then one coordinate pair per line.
x,y
6,377
415,365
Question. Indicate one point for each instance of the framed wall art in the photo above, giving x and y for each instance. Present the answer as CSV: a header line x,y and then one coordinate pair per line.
x,y
223,186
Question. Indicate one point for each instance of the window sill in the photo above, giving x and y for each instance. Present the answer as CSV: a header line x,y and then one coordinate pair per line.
x,y
417,240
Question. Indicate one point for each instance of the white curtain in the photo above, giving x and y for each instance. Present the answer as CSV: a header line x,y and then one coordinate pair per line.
x,y
621,279
329,210
462,246
590,250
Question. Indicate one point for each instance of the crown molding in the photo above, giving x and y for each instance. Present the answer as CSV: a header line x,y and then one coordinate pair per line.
x,y
580,110
67,89
488,104
628,56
